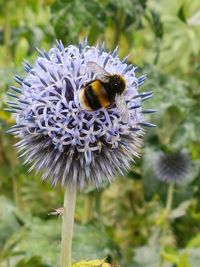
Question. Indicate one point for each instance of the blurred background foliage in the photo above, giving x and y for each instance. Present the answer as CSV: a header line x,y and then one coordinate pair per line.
x,y
123,221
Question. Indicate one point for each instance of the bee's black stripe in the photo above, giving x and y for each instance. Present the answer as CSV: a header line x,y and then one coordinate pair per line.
x,y
91,98
110,94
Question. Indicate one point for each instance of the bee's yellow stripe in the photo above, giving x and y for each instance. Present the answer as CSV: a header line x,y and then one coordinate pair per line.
x,y
100,92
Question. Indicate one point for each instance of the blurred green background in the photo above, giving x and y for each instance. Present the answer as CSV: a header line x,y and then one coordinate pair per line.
x,y
123,221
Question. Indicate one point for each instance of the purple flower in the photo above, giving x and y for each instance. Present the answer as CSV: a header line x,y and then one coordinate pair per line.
x,y
173,167
61,139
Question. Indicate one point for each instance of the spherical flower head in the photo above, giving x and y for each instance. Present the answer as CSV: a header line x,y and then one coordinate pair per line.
x,y
69,144
173,167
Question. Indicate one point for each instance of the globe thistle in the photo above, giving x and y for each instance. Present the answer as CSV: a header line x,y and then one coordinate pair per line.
x,y
173,167
68,144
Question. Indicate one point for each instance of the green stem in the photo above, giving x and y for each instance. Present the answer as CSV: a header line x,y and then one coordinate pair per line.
x,y
169,203
67,226
98,197
157,52
88,205
7,30
120,17
16,193
170,195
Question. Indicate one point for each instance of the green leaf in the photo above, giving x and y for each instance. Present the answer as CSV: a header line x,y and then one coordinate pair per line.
x,y
35,261
92,241
157,25
9,223
194,20
180,259
93,263
169,124
42,238
36,238
194,242
148,256
180,210
194,257
184,260
181,14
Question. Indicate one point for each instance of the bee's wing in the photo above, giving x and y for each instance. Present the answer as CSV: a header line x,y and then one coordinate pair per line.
x,y
101,73
121,105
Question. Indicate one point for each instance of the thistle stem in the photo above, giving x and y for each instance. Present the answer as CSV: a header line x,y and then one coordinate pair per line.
x,y
67,226
169,203
170,195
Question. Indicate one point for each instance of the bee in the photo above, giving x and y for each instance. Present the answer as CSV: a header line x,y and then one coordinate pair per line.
x,y
103,91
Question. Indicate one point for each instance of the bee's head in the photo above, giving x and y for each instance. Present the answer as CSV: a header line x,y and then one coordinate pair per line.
x,y
117,83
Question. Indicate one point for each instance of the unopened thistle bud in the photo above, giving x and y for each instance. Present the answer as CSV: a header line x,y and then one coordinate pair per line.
x,y
173,167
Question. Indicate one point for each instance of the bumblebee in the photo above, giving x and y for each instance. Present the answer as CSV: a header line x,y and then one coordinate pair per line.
x,y
103,91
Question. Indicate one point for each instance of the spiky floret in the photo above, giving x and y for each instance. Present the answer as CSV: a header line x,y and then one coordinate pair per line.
x,y
172,167
69,144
